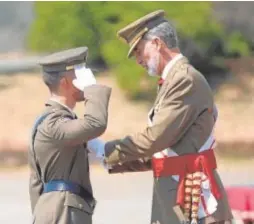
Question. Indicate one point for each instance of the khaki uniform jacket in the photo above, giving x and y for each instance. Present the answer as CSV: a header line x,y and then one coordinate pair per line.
x,y
60,149
182,121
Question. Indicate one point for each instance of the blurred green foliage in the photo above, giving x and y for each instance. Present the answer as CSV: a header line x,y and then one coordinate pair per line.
x,y
237,44
61,25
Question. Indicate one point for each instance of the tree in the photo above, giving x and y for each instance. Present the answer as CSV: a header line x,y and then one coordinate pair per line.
x,y
61,25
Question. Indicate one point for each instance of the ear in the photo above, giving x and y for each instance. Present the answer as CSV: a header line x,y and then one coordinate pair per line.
x,y
157,41
67,78
63,81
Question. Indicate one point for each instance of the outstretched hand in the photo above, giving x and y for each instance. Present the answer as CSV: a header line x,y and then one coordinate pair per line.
x,y
97,146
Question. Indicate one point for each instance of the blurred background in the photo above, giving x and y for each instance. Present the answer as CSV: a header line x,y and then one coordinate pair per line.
x,y
217,37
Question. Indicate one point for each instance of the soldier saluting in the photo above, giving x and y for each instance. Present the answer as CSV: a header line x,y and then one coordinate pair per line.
x,y
60,188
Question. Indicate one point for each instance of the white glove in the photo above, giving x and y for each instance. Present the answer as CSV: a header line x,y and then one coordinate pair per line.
x,y
98,147
84,77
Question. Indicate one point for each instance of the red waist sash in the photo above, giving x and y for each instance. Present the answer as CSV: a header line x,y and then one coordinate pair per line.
x,y
182,165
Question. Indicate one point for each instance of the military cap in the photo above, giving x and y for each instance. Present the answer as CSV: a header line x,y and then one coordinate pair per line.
x,y
134,32
64,60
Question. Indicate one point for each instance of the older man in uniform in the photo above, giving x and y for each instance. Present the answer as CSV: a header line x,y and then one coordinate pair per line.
x,y
178,141
60,189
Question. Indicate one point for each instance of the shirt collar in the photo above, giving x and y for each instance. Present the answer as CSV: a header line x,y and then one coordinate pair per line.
x,y
170,65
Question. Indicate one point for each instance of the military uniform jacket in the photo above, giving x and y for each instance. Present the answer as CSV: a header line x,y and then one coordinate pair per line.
x,y
182,120
60,149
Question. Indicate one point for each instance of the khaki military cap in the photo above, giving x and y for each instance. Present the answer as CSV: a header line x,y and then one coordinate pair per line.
x,y
134,32
64,60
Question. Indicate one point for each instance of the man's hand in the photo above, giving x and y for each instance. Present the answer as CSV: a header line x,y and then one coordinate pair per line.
x,y
84,77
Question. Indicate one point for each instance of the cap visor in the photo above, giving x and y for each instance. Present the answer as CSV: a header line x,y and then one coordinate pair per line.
x,y
133,46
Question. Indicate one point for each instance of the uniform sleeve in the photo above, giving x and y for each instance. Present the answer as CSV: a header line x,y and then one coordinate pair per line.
x,y
176,114
65,129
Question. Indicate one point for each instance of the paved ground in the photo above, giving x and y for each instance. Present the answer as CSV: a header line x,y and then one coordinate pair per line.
x,y
121,197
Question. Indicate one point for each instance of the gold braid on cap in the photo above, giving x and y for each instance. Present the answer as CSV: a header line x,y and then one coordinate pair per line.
x,y
139,34
192,197
70,67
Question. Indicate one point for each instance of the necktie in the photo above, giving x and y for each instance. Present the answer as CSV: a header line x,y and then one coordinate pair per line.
x,y
160,81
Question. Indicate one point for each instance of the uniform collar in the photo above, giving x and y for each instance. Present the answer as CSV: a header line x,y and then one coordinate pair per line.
x,y
169,66
56,103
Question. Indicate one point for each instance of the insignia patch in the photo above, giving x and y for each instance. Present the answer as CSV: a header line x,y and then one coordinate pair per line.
x,y
63,119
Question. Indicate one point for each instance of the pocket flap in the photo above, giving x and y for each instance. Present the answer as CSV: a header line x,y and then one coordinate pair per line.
x,y
76,201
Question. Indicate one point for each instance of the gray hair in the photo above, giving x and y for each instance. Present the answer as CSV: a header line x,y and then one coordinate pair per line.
x,y
166,32
52,79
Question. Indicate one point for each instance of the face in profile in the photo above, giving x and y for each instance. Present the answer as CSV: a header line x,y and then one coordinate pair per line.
x,y
147,55
70,89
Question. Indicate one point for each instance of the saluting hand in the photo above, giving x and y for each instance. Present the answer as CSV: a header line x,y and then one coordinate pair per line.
x,y
84,78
